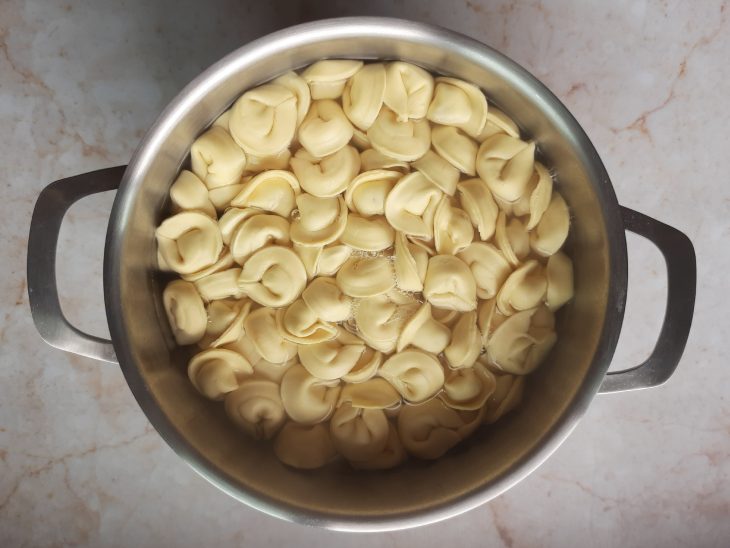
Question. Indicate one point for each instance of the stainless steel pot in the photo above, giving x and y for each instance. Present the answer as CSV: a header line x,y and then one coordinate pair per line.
x,y
337,497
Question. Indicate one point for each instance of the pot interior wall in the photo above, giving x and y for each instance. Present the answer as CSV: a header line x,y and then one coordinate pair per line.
x,y
158,370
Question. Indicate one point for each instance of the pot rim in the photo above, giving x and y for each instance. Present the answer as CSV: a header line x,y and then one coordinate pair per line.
x,y
374,28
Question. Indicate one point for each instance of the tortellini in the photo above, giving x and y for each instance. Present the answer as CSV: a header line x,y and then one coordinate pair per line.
x,y
256,407
405,140
232,327
523,289
411,205
366,193
379,321
299,324
450,284
325,129
264,119
468,388
366,276
537,199
273,276
185,311
512,239
459,104
222,314
189,241
410,263
320,221
275,191
190,193
365,368
262,331
440,172
225,261
452,228
257,232
456,148
369,263
408,90
327,300
216,372
488,319
489,267
368,233
415,374
477,201
334,358
498,122
466,342
391,456
216,158
363,95
551,232
328,176
424,332
298,86
308,399
220,285
232,219
327,78
359,434
323,260
520,343
222,196
506,164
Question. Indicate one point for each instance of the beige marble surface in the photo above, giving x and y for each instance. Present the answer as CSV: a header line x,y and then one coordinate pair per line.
x,y
649,80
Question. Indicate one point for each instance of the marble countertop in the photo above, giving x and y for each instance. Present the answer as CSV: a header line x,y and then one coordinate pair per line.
x,y
648,80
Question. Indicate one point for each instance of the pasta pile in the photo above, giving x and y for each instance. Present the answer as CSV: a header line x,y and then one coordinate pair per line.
x,y
369,260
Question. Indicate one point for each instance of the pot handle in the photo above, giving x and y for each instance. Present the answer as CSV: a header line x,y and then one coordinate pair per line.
x,y
679,255
45,224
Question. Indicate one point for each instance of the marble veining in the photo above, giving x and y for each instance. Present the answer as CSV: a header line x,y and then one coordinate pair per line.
x,y
81,81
